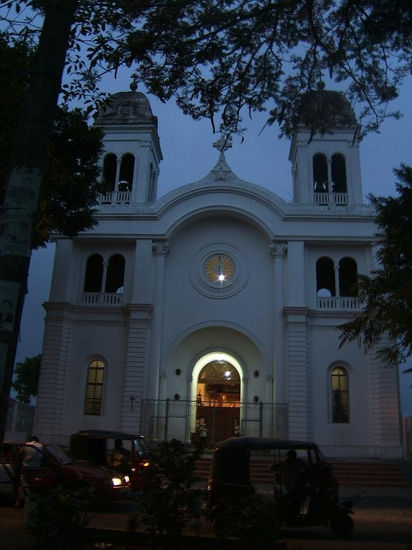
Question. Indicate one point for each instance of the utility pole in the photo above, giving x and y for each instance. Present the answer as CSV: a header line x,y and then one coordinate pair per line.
x,y
21,199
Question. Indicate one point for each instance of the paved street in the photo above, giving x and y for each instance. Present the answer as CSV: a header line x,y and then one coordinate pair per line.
x,y
381,523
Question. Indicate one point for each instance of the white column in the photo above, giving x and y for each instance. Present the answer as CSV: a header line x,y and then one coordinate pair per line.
x,y
296,274
336,274
50,409
62,286
142,275
134,373
160,251
298,374
385,414
278,250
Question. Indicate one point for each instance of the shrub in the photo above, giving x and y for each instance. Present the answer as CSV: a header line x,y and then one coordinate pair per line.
x,y
254,521
56,518
168,503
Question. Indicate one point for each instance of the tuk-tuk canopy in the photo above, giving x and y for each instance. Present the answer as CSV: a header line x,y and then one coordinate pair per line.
x,y
231,457
106,434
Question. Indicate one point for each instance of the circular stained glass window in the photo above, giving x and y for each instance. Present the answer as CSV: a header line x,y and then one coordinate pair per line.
x,y
219,269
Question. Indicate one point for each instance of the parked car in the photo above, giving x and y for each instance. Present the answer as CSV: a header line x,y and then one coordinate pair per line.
x,y
303,483
57,468
124,452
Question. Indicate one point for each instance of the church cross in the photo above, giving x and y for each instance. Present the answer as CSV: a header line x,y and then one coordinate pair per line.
x,y
223,143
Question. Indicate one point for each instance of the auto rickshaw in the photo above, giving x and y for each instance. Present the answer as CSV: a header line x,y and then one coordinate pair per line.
x,y
303,483
99,447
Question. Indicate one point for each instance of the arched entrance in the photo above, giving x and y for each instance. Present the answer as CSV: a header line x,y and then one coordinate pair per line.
x,y
217,389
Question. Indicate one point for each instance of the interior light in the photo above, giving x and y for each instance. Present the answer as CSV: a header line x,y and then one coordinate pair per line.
x,y
221,277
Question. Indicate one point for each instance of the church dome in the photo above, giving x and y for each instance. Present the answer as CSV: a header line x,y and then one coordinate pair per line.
x,y
125,108
324,110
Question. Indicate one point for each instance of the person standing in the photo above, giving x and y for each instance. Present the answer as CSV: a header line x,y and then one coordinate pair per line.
x,y
30,457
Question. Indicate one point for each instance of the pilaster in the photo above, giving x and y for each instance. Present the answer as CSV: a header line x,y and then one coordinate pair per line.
x,y
50,410
385,414
298,373
134,373
279,251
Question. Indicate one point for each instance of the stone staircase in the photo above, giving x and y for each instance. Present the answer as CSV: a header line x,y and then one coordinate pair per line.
x,y
373,473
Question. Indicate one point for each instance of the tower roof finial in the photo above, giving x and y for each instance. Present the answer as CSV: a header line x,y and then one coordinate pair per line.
x,y
223,143
133,83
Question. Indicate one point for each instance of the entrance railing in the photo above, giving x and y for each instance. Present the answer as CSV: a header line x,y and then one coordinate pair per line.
x,y
167,419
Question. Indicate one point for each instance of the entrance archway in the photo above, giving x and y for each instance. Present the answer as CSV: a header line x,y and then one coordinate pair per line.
x,y
217,389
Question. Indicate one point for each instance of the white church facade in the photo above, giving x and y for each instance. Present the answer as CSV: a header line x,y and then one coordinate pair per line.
x,y
217,305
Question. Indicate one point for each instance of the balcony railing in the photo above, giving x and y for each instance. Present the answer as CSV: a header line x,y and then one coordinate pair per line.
x,y
101,298
324,199
115,197
338,303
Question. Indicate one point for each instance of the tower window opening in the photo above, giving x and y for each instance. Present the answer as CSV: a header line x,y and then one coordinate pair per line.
x,y
320,173
115,274
126,172
325,277
109,171
348,277
94,274
339,173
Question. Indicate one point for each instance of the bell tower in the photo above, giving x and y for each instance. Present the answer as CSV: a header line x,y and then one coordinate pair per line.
x,y
132,152
326,161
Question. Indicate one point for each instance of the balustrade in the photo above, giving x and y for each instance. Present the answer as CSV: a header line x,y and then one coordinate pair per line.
x,y
101,298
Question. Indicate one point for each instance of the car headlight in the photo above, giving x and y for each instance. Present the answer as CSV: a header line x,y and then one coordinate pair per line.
x,y
116,481
126,479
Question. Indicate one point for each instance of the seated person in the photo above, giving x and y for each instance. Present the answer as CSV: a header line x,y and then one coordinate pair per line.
x,y
120,455
292,474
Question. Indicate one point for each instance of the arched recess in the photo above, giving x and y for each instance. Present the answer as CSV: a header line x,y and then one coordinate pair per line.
x,y
225,212
218,411
193,350
209,358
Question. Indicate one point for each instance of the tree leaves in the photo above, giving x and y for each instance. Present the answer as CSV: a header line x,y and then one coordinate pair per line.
x,y
387,295
224,56
71,182
27,378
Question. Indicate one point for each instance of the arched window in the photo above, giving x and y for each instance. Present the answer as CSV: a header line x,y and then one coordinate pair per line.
x,y
126,172
94,274
94,387
339,385
115,273
339,173
109,170
348,277
320,173
325,277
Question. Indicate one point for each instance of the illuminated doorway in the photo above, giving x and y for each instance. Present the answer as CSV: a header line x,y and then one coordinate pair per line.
x,y
218,398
